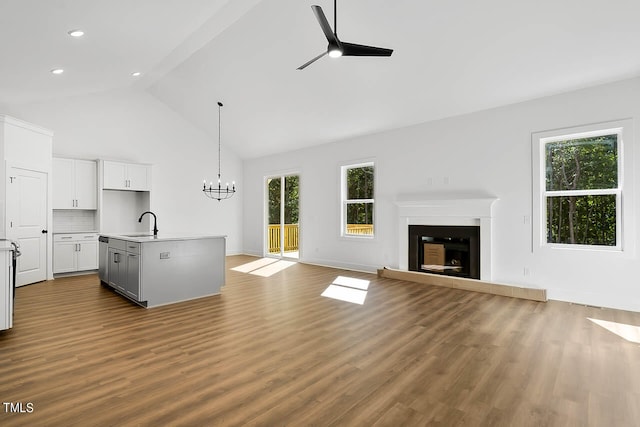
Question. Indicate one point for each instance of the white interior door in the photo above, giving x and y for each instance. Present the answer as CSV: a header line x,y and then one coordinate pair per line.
x,y
27,222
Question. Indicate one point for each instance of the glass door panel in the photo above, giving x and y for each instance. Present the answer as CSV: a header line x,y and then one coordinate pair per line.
x,y
290,232
274,195
282,216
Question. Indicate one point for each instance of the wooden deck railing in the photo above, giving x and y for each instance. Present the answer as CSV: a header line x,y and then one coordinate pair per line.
x,y
290,238
360,229
291,231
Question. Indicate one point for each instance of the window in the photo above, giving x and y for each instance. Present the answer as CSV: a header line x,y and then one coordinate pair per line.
x,y
358,200
580,187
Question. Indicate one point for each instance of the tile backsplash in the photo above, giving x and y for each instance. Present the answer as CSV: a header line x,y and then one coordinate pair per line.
x,y
76,220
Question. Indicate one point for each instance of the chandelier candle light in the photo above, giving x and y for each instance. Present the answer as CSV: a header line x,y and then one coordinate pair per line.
x,y
219,192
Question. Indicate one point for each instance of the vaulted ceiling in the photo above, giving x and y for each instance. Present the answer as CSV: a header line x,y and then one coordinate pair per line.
x,y
449,58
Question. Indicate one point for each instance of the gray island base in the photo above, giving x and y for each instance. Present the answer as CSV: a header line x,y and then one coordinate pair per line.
x,y
160,270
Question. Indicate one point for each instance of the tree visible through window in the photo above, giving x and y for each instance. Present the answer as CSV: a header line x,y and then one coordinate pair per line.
x,y
582,191
358,200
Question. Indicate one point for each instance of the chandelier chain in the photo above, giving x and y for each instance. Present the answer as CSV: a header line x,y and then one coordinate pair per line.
x,y
219,140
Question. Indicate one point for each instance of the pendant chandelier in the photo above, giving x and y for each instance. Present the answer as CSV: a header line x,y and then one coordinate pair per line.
x,y
218,192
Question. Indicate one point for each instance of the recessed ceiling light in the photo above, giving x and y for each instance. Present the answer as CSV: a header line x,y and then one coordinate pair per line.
x,y
136,74
57,71
76,33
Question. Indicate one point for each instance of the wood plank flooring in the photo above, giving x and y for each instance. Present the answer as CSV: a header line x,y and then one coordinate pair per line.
x,y
271,351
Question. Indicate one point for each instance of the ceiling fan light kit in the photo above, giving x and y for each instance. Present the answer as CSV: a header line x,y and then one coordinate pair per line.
x,y
337,48
335,52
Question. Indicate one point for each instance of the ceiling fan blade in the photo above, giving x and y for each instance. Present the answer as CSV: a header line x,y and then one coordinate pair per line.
x,y
352,49
324,24
302,67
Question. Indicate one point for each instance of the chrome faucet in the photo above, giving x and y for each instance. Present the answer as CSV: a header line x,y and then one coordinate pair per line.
x,y
155,223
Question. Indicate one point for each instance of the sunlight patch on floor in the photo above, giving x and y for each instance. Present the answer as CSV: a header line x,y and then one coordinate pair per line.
x,y
347,289
271,269
264,267
630,333
343,293
254,265
352,282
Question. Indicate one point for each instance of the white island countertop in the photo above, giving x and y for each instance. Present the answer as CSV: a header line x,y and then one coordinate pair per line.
x,y
141,237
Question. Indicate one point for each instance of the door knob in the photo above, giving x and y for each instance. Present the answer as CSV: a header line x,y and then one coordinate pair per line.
x,y
44,231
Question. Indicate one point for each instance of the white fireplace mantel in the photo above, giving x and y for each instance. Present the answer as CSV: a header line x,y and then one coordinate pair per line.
x,y
447,211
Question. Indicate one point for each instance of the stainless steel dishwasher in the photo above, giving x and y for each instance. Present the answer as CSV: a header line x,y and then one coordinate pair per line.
x,y
103,261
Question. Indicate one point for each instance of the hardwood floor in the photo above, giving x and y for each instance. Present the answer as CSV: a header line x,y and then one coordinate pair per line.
x,y
271,351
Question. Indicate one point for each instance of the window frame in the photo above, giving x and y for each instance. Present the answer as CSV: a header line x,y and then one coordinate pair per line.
x,y
620,128
344,201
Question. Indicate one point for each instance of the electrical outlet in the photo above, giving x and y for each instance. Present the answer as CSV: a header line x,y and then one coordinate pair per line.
x,y
526,271
165,255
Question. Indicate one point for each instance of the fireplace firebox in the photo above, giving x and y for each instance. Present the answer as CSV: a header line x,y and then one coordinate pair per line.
x,y
449,250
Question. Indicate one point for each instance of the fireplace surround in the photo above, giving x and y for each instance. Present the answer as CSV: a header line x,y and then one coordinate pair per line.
x,y
447,210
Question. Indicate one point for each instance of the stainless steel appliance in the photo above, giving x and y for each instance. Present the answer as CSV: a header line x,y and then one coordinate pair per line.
x,y
14,263
10,253
103,258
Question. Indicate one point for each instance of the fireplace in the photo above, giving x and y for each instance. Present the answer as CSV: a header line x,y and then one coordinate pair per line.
x,y
448,250
455,210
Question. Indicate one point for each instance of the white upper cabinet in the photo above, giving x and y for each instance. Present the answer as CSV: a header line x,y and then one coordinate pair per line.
x,y
75,184
126,176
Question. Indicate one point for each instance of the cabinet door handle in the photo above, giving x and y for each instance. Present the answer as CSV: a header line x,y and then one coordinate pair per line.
x,y
66,237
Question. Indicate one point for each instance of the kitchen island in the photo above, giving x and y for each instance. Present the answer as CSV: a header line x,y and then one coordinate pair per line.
x,y
164,269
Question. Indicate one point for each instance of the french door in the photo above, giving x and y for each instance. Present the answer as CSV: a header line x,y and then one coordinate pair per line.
x,y
283,231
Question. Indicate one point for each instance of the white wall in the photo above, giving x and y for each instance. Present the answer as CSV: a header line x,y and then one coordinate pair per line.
x,y
134,126
487,152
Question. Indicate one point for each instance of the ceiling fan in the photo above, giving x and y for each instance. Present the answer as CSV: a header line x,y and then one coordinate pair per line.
x,y
339,48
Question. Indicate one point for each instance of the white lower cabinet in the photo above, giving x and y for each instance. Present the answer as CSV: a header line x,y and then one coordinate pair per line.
x,y
124,268
75,252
